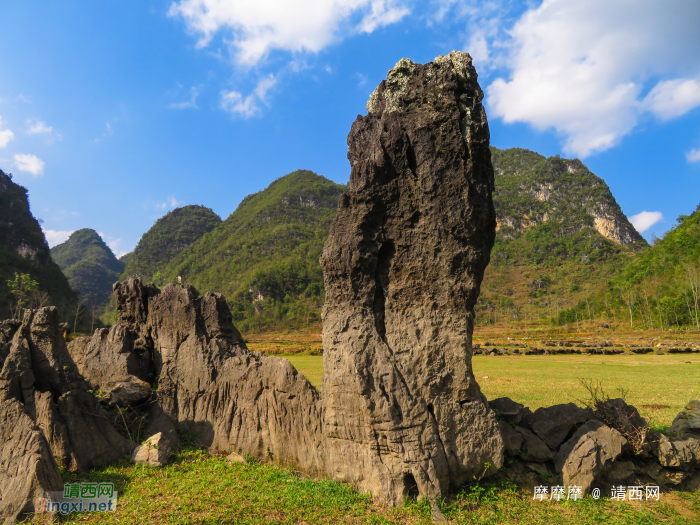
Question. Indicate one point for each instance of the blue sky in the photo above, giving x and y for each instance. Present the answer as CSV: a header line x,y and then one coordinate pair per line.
x,y
114,112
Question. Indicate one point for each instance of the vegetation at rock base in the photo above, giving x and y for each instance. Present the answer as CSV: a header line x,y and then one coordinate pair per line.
x,y
90,266
198,488
25,252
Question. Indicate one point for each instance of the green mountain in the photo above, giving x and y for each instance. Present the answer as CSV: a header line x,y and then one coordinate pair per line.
x,y
551,210
90,266
24,250
561,238
169,236
264,256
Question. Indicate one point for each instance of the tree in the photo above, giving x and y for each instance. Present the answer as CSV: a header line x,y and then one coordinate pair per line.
x,y
629,296
693,298
23,287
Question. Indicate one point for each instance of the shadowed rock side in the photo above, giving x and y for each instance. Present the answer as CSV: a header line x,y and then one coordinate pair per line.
x,y
402,269
47,415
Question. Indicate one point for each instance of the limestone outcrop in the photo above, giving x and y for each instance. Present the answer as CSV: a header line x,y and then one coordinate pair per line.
x,y
402,269
39,372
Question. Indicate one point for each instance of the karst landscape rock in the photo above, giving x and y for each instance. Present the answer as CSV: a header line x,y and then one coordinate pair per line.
x,y
400,410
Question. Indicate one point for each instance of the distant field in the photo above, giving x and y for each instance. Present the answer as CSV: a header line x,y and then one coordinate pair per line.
x,y
537,381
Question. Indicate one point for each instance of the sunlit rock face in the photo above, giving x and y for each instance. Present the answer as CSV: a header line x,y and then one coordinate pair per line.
x,y
402,269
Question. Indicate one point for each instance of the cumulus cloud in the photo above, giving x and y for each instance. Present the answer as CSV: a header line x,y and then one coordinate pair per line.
x,y
645,220
170,203
29,163
56,237
234,102
5,135
591,69
256,27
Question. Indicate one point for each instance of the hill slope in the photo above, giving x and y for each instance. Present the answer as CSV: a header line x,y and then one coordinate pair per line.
x,y
553,209
167,238
24,250
90,266
264,256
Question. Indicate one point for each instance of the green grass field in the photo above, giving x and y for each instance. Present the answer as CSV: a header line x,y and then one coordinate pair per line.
x,y
196,488
537,381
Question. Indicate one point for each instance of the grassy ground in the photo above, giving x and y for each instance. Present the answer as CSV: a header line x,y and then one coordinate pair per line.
x,y
196,488
537,381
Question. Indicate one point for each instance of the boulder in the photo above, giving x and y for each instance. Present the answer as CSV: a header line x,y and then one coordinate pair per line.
x,y
533,448
402,268
663,476
508,410
681,453
27,467
155,451
553,424
588,455
687,421
236,458
512,440
625,418
125,393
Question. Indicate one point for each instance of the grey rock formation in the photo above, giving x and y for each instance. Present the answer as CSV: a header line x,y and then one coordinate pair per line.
x,y
534,449
588,456
688,420
553,424
27,467
111,363
402,269
40,373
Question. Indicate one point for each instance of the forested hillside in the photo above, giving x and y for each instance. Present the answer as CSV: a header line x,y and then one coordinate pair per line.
x,y
169,236
25,252
264,256
90,266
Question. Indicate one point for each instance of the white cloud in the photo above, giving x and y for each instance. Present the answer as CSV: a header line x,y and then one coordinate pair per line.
x,y
29,163
234,102
55,237
38,127
693,155
191,103
645,220
582,68
260,26
5,135
170,203
673,98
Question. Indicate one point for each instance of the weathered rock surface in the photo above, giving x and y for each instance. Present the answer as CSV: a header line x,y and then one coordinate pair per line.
x,y
533,448
27,467
510,411
402,269
681,453
687,421
109,360
40,373
233,457
588,456
155,451
512,440
553,424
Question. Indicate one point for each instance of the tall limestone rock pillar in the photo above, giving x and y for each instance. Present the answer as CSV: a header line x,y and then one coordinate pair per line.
x,y
402,270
